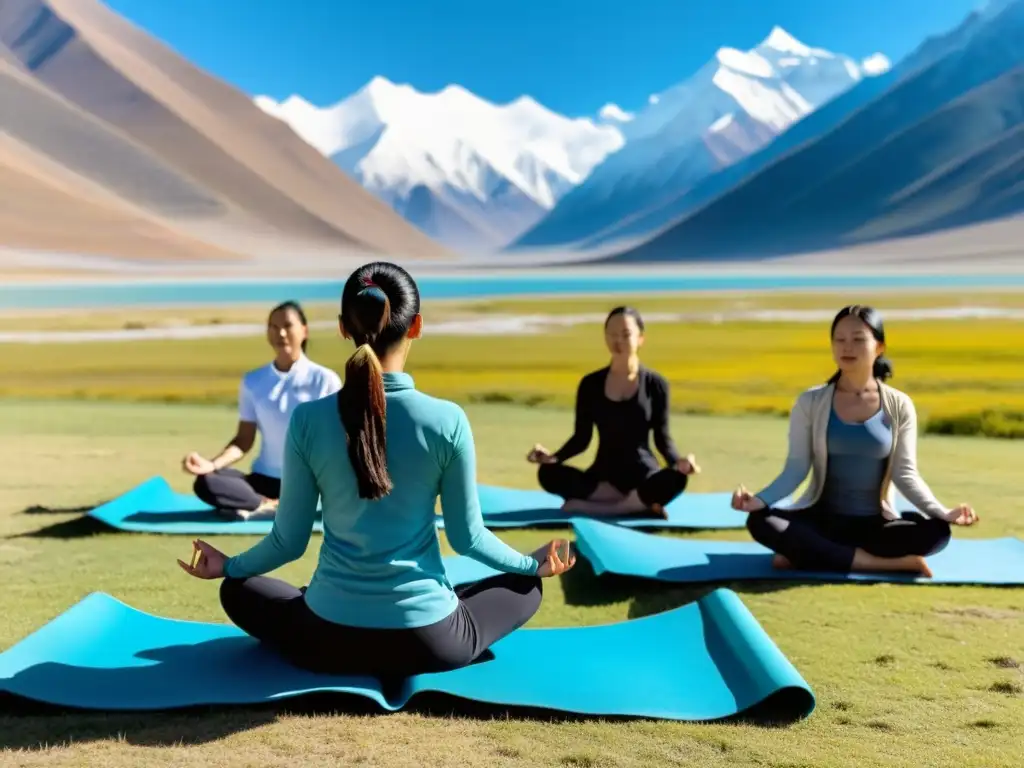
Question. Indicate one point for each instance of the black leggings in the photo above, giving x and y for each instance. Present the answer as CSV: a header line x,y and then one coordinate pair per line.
x,y
276,613
818,540
230,489
658,487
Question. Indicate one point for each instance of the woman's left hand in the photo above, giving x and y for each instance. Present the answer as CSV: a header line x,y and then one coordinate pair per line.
x,y
962,515
207,561
688,465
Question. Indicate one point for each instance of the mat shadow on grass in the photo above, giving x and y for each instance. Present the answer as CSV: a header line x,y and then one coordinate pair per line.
x,y
76,528
40,509
30,725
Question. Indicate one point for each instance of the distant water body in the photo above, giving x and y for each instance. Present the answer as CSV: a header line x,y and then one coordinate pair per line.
x,y
213,292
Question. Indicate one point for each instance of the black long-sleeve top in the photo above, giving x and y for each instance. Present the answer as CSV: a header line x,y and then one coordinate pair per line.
x,y
623,427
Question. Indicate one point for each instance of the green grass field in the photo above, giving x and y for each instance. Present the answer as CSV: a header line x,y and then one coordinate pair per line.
x,y
905,675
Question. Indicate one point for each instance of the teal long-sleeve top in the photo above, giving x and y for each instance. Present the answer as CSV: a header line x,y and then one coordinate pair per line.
x,y
380,561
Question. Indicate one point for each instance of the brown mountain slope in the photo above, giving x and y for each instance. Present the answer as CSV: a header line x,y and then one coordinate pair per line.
x,y
47,208
195,152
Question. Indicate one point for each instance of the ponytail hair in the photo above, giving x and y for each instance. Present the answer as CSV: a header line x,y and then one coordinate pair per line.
x,y
872,318
378,305
364,417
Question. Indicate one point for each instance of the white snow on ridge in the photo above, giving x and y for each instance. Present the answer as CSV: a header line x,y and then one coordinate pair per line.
x,y
463,168
780,40
449,137
876,64
748,63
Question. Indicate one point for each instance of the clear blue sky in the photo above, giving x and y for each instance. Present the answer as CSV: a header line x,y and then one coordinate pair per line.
x,y
571,55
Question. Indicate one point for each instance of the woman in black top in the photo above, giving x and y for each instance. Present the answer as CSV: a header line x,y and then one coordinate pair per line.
x,y
625,401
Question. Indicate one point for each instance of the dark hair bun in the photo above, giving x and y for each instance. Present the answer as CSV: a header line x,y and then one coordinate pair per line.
x,y
883,369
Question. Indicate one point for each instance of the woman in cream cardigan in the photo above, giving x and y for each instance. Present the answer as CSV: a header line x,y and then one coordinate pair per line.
x,y
857,437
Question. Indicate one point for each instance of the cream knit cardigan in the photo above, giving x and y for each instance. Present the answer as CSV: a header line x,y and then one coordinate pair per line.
x,y
808,452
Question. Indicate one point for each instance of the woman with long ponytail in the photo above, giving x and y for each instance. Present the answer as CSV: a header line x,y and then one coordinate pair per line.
x,y
377,456
361,404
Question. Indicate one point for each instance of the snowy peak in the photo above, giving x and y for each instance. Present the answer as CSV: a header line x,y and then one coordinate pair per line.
x,y
780,40
748,63
733,106
452,153
778,81
453,162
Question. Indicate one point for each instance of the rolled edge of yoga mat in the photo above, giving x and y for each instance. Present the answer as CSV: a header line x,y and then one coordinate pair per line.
x,y
734,632
582,546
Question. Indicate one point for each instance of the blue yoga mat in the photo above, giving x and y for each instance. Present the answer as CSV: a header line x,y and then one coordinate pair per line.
x,y
517,507
153,507
704,661
616,550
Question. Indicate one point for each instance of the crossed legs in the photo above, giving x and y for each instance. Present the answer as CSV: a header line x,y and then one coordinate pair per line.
x,y
814,539
275,612
231,490
585,493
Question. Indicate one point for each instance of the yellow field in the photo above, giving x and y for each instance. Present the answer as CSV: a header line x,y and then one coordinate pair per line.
x,y
966,376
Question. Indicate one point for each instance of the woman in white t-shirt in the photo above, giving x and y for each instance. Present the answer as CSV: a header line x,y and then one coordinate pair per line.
x,y
266,398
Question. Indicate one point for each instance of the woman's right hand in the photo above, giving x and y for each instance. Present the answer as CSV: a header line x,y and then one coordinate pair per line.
x,y
207,561
197,465
744,501
962,514
540,455
550,562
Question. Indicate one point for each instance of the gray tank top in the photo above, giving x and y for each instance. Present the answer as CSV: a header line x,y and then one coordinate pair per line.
x,y
857,457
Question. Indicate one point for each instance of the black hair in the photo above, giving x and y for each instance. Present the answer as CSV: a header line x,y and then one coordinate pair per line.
x,y
872,318
378,305
628,312
295,307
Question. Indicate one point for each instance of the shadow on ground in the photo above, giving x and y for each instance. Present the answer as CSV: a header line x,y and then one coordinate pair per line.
x,y
38,509
32,726
76,528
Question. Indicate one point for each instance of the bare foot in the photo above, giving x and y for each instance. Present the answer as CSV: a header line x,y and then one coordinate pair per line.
x,y
922,565
862,561
572,505
657,510
781,562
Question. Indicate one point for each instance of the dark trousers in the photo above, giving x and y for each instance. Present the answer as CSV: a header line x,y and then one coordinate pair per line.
x,y
819,540
657,487
230,489
276,613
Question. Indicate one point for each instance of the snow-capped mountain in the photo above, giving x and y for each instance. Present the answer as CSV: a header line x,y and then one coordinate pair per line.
x,y
733,106
940,146
470,173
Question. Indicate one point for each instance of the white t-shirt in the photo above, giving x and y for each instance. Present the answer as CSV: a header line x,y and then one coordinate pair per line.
x,y
268,396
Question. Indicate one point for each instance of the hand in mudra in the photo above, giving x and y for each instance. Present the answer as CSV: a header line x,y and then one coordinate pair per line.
x,y
744,501
962,514
207,561
688,465
540,455
197,465
552,562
